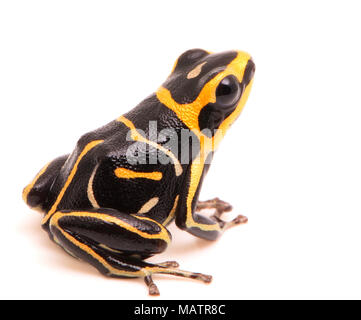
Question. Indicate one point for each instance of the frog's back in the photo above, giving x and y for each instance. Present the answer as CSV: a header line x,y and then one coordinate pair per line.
x,y
99,172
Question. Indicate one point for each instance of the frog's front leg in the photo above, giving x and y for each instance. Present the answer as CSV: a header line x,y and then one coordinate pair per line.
x,y
219,206
116,243
188,216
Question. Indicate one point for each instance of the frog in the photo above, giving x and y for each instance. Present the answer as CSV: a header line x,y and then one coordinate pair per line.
x,y
111,200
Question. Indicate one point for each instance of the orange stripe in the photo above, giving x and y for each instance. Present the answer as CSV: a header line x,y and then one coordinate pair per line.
x,y
129,174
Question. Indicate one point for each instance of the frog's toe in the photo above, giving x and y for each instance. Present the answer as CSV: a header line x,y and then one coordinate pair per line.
x,y
169,264
223,206
240,219
152,287
203,277
219,205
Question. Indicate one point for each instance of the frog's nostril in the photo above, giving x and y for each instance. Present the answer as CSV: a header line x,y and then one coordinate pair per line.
x,y
249,72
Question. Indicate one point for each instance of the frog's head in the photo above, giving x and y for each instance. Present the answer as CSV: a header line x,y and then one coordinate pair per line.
x,y
207,90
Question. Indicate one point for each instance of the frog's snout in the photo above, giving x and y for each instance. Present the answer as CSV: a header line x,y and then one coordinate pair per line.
x,y
249,72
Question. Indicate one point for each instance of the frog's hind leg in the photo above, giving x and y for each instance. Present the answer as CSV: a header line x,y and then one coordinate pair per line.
x,y
219,206
36,192
116,243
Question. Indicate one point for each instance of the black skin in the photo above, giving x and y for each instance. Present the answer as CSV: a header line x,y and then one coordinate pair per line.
x,y
110,244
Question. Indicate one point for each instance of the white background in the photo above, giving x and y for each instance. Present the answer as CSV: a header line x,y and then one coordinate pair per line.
x,y
291,163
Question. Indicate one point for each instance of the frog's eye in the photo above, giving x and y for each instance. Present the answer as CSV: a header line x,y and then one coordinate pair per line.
x,y
228,91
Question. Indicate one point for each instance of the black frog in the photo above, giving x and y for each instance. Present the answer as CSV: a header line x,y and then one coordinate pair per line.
x,y
105,206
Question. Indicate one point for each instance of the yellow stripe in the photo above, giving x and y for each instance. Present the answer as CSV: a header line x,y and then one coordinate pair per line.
x,y
107,248
87,148
172,212
164,230
28,188
196,173
130,174
149,205
136,136
90,191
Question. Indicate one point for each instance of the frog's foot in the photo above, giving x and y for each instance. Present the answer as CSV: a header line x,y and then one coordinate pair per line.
x,y
217,204
164,269
220,207
240,219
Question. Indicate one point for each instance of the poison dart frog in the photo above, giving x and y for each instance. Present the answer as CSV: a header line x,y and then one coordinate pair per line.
x,y
109,202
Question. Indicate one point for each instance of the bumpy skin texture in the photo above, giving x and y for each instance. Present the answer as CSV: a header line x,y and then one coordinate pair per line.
x,y
113,213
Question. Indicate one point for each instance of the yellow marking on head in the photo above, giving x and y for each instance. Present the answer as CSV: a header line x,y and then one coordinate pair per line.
x,y
196,71
28,188
176,62
130,174
90,190
136,136
87,148
172,212
148,205
189,113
